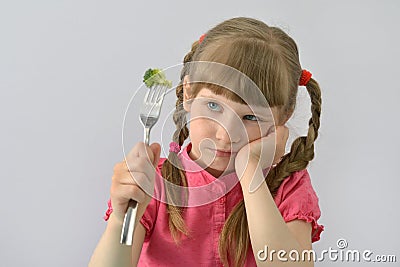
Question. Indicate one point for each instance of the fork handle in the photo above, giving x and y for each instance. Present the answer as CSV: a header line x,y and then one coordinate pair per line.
x,y
129,224
130,216
146,135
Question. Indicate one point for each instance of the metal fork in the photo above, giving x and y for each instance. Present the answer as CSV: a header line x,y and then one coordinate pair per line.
x,y
149,114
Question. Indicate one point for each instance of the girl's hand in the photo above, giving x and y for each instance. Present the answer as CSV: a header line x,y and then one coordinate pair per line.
x,y
134,179
260,153
282,135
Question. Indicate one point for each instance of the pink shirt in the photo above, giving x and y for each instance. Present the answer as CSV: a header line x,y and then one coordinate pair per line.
x,y
296,199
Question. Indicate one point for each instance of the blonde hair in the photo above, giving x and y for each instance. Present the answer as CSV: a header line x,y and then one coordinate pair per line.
x,y
270,58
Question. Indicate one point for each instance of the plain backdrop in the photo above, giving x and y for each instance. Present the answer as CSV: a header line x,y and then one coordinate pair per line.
x,y
68,70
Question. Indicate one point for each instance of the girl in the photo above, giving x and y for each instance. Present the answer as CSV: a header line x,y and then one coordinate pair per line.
x,y
236,226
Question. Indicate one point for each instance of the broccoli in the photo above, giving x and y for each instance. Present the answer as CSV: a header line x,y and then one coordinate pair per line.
x,y
156,77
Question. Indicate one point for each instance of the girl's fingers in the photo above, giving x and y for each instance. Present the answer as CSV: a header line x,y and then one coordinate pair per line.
x,y
144,182
141,164
122,193
141,150
282,133
129,192
156,148
121,196
136,178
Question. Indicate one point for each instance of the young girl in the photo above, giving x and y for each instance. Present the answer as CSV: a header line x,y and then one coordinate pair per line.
x,y
232,226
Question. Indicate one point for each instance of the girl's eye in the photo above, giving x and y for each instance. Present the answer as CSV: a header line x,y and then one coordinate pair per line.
x,y
250,118
214,106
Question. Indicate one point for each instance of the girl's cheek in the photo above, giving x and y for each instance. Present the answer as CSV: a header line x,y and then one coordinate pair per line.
x,y
255,132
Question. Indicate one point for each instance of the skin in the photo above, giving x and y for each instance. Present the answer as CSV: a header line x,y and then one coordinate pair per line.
x,y
220,124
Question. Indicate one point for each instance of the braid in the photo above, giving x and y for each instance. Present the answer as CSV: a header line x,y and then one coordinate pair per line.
x,y
302,149
172,170
235,236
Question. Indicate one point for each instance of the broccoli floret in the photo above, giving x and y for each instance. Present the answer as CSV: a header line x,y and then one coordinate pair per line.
x,y
156,77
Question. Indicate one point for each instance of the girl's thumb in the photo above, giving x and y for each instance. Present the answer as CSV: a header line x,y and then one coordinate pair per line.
x,y
156,148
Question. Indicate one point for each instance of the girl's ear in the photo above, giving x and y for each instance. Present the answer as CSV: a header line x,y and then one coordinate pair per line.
x,y
186,93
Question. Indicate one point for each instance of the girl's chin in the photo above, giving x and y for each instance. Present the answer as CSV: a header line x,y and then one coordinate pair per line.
x,y
217,172
222,169
212,164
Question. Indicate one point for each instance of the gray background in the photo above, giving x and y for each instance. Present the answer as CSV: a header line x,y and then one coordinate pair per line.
x,y
69,68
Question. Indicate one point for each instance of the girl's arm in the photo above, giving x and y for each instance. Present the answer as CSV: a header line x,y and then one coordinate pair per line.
x,y
109,252
140,163
268,228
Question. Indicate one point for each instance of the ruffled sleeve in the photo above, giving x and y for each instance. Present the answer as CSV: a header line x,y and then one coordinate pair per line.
x,y
296,199
108,211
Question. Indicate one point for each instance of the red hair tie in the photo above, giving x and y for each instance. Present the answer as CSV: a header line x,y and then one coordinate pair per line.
x,y
305,77
174,147
202,38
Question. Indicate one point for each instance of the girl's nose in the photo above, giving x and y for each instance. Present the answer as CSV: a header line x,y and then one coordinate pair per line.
x,y
229,131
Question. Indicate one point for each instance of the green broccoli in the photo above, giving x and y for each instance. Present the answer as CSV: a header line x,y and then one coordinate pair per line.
x,y
156,77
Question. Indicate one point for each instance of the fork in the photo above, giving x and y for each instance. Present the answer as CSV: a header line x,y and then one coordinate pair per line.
x,y
149,114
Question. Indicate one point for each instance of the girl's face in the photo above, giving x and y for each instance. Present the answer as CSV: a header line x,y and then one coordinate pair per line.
x,y
219,128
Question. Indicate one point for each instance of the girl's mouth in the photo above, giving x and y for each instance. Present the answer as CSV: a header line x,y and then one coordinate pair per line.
x,y
223,153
